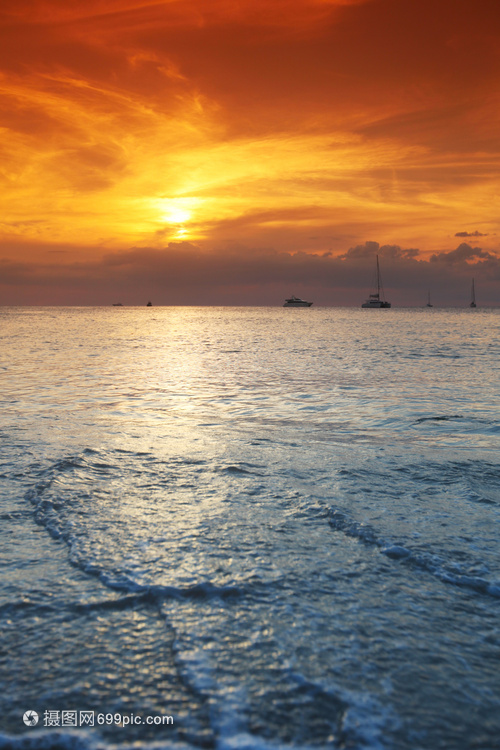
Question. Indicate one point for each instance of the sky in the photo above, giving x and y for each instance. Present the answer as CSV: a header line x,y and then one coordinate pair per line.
x,y
239,151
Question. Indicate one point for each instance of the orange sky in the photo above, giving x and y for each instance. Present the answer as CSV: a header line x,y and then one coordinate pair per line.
x,y
203,150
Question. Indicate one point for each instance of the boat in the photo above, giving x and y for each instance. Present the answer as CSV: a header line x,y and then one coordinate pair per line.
x,y
375,300
296,302
117,304
150,304
473,296
429,300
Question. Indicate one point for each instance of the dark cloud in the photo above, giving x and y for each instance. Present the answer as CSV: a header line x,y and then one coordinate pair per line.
x,y
470,234
370,249
362,251
183,273
463,252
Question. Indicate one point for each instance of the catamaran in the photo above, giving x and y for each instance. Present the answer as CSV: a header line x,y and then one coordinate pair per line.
x,y
375,300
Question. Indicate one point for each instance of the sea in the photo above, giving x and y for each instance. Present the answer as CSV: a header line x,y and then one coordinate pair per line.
x,y
249,528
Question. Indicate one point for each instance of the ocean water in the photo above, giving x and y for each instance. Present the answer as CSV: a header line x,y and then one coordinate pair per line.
x,y
250,528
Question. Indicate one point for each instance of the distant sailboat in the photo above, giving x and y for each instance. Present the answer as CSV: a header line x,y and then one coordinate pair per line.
x,y
375,300
473,296
429,300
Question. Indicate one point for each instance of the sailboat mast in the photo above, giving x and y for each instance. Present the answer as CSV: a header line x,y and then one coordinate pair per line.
x,y
374,300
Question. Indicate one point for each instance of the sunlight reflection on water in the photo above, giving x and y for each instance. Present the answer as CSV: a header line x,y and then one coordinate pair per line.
x,y
295,510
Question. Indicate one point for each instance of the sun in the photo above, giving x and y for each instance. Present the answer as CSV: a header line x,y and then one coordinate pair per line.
x,y
176,215
176,210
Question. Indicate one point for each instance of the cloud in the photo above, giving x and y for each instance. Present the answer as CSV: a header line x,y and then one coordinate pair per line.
x,y
470,234
369,249
197,13
463,253
183,273
280,122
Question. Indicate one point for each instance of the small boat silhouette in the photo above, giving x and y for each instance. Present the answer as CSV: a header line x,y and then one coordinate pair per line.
x,y
296,302
473,296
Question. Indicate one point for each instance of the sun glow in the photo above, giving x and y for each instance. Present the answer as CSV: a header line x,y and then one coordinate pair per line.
x,y
176,210
177,216
217,124
176,213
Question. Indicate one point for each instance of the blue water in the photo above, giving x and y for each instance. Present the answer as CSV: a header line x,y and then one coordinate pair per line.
x,y
278,528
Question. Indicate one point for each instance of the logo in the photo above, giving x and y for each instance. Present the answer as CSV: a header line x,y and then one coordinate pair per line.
x,y
30,718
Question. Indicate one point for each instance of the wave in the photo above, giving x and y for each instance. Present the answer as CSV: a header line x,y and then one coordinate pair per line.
x,y
341,521
157,593
90,502
440,418
77,500
241,469
364,720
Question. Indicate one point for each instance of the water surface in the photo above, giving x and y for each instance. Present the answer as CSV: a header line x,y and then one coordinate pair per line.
x,y
277,526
